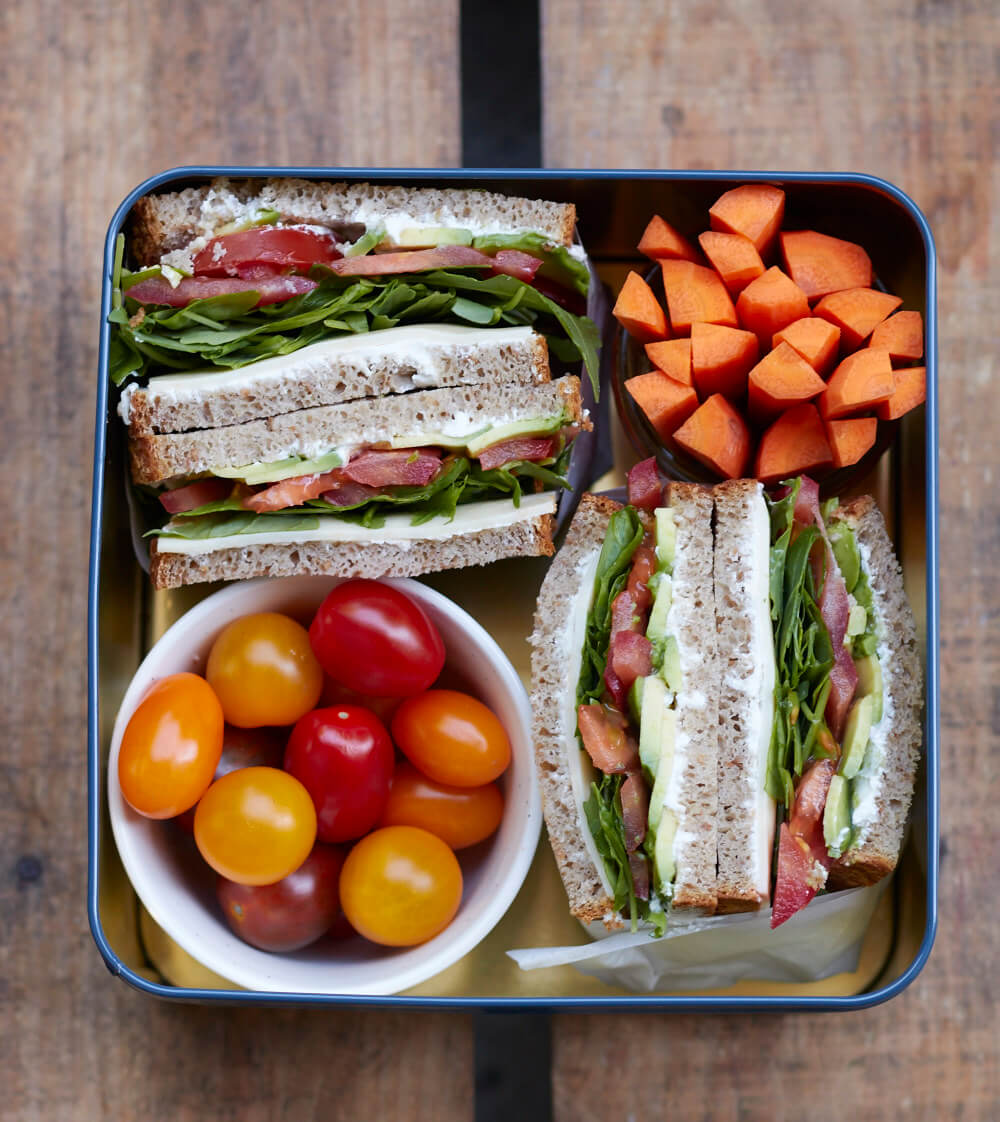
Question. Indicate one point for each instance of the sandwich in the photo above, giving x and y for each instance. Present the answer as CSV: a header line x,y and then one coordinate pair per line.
x,y
352,379
726,693
230,276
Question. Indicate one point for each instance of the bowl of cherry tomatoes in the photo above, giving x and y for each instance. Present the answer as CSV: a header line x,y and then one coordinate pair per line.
x,y
324,786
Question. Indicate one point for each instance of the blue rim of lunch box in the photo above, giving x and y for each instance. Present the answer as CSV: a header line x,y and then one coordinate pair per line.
x,y
638,1003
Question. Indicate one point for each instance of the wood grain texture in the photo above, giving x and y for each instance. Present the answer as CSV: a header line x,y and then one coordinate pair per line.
x,y
907,91
95,98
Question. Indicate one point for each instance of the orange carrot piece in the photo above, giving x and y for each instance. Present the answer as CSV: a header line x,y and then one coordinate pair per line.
x,y
910,390
665,402
717,435
695,294
851,439
861,381
902,335
794,444
770,303
660,240
815,339
721,358
639,312
780,380
754,210
857,312
672,357
733,257
820,264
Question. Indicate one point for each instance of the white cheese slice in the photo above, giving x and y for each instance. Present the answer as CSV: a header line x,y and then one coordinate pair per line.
x,y
398,528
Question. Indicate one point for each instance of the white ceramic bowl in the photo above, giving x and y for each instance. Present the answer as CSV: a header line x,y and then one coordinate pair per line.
x,y
171,879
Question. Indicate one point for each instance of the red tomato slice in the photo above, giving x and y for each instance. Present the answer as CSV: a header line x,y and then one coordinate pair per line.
x,y
795,884
413,261
644,485
605,740
194,495
273,290
407,467
631,656
531,448
514,263
281,247
292,492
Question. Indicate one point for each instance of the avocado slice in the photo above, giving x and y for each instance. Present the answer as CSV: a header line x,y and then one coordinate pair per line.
x,y
666,538
426,237
533,426
857,621
635,700
670,664
845,552
870,683
281,469
654,706
837,816
668,734
656,630
859,725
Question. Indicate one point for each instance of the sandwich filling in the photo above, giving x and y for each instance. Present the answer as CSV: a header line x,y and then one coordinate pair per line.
x,y
263,288
424,476
828,738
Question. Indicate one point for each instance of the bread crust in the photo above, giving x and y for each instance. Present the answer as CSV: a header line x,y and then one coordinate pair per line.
x,y
903,684
371,560
170,221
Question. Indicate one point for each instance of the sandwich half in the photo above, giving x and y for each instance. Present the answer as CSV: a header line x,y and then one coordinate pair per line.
x,y
394,486
338,291
714,669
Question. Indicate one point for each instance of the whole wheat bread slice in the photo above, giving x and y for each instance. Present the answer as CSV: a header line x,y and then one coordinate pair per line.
x,y
313,432
161,224
746,658
555,672
397,360
878,851
373,560
692,619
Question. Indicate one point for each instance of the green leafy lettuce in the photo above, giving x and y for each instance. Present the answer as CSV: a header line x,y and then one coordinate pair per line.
x,y
603,807
229,332
462,481
803,652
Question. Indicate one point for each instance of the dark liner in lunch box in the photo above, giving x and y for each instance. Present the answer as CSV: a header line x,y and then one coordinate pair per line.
x,y
610,229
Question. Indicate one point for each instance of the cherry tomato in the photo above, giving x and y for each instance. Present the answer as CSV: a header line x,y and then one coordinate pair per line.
x,y
374,639
344,758
451,737
263,747
291,913
263,669
171,746
400,886
459,816
255,825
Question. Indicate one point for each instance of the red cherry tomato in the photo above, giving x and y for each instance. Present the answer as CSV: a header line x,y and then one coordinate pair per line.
x,y
171,746
400,886
374,639
263,747
255,825
451,737
459,816
263,669
343,757
293,912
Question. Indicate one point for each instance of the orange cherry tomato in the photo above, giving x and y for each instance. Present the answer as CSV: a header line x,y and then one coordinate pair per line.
x,y
255,825
451,737
459,816
171,746
264,671
400,886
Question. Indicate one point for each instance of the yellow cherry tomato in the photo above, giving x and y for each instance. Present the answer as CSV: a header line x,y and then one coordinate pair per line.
x,y
255,825
171,746
264,671
400,886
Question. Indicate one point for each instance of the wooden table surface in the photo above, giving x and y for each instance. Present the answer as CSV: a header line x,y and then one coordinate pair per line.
x,y
96,97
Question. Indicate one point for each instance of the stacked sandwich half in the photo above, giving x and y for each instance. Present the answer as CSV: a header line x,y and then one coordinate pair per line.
x,y
714,669
348,378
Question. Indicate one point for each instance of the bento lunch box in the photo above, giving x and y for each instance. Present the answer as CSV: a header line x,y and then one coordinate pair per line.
x,y
125,615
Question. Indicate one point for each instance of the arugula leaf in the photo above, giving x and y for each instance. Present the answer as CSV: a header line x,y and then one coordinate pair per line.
x,y
241,522
603,810
621,541
228,331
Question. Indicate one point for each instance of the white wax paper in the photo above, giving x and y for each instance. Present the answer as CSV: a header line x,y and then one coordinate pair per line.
x,y
712,952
